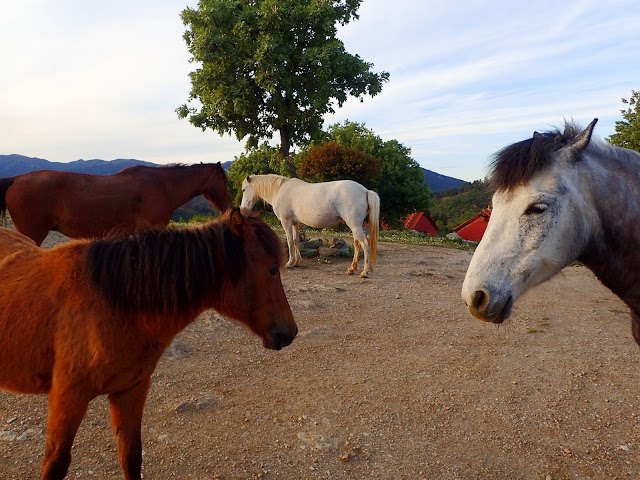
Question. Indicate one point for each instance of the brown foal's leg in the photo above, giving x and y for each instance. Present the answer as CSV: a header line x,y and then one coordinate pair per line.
x,y
126,419
66,411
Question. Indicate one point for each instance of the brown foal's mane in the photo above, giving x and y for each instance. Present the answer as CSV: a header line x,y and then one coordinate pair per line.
x,y
164,270
173,269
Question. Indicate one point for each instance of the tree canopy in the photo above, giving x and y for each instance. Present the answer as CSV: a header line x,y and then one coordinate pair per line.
x,y
270,66
628,130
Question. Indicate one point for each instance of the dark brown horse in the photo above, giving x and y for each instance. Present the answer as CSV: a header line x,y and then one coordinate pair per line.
x,y
91,206
88,318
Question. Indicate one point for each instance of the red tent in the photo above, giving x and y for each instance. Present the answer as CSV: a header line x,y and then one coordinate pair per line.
x,y
473,229
421,222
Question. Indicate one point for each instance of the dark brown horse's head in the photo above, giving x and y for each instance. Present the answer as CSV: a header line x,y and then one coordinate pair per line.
x,y
215,189
258,299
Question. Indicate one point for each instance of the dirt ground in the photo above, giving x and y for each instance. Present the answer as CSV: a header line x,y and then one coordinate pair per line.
x,y
389,378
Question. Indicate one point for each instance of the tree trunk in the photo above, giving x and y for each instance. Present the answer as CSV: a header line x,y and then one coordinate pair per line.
x,y
285,146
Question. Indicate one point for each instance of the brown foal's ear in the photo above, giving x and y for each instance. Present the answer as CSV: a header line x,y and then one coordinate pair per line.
x,y
237,223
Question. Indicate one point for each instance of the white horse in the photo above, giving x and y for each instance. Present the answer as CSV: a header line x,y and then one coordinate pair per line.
x,y
558,198
318,205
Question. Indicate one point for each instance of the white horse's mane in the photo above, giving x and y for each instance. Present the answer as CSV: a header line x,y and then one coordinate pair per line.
x,y
266,186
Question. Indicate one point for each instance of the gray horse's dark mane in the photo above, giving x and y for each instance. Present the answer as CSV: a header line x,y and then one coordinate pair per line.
x,y
517,163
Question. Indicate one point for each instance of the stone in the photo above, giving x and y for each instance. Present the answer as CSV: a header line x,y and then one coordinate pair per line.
x,y
29,434
7,436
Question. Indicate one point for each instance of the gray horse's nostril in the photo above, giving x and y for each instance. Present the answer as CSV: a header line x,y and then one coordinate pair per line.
x,y
479,299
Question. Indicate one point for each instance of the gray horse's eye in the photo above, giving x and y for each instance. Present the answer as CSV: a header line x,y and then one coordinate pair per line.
x,y
536,209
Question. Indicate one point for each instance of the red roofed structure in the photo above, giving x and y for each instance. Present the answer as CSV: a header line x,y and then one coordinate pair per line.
x,y
421,222
473,229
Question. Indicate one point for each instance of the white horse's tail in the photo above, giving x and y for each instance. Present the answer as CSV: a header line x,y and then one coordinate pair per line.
x,y
373,200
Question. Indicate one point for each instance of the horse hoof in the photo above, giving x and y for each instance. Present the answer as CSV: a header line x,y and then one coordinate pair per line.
x,y
364,275
350,272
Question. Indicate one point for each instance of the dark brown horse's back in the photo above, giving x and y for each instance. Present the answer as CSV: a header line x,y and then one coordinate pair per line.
x,y
89,206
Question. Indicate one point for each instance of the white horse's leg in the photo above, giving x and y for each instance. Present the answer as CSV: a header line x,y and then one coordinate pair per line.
x,y
296,242
291,241
356,253
360,238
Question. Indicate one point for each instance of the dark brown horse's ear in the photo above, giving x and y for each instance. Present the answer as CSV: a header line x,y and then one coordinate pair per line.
x,y
536,135
237,223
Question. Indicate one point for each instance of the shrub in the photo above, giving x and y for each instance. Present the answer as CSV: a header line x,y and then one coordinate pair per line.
x,y
333,161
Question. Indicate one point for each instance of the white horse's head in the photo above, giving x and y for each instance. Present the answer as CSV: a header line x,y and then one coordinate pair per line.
x,y
249,197
539,223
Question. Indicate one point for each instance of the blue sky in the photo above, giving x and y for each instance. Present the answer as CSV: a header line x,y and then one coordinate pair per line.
x,y
89,80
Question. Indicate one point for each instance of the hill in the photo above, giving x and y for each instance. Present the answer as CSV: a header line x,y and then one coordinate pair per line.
x,y
11,165
454,206
440,183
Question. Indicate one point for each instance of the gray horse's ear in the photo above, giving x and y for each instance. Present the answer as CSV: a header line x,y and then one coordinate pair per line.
x,y
580,142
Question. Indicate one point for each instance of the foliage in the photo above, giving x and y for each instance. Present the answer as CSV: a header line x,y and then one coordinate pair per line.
x,y
271,66
400,183
457,205
628,130
261,161
333,161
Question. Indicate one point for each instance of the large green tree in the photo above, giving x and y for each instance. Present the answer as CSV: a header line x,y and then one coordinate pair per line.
x,y
628,130
270,66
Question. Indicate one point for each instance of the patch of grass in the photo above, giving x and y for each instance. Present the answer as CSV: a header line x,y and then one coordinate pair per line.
x,y
409,237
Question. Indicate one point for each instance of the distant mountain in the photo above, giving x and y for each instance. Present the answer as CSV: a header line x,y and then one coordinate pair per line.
x,y
226,165
439,183
11,165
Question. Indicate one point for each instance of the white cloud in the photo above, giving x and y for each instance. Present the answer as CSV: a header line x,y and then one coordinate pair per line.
x,y
102,80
